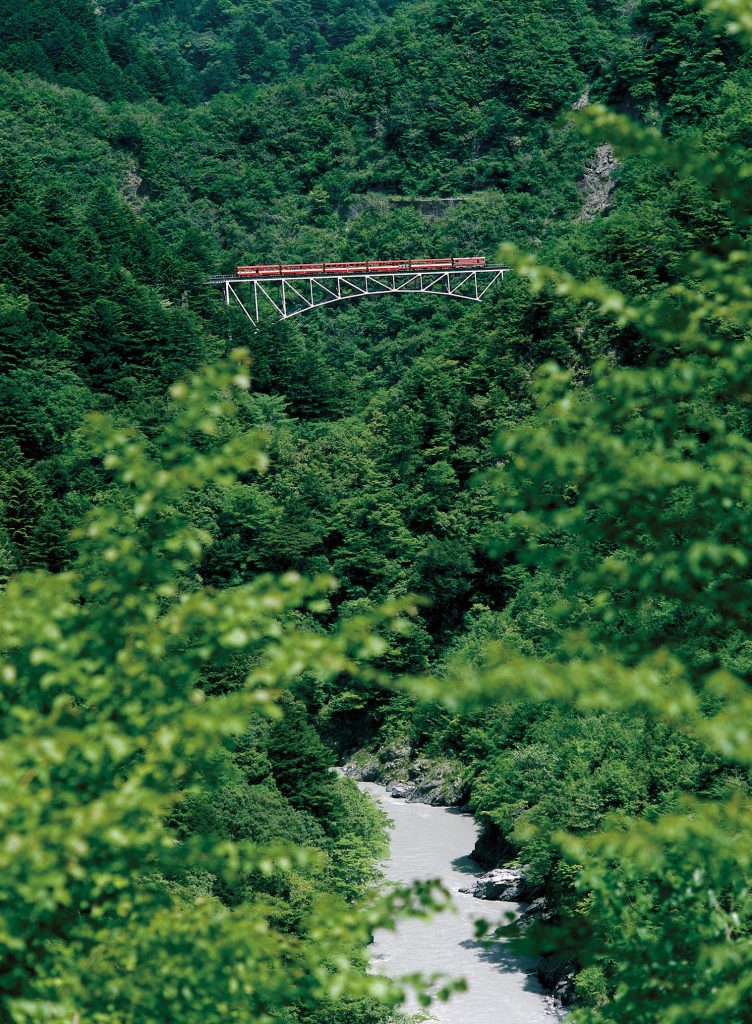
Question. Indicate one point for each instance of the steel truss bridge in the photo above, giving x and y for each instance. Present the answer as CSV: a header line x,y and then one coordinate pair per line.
x,y
293,294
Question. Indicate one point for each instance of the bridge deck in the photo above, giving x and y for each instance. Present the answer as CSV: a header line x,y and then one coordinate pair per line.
x,y
219,279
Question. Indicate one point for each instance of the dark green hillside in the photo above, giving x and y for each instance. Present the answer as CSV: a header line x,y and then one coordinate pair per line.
x,y
146,145
136,192
61,43
189,50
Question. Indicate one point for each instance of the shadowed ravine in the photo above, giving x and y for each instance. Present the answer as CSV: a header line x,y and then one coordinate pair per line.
x,y
433,842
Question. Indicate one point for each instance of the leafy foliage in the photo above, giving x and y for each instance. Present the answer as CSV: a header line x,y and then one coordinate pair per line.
x,y
107,730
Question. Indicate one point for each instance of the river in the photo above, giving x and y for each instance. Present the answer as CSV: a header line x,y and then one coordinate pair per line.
x,y
434,842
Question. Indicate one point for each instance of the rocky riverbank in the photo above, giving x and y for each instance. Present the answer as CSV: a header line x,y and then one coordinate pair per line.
x,y
441,783
433,842
424,780
556,973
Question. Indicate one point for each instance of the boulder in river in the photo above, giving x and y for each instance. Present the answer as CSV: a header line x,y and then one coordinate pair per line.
x,y
506,884
401,790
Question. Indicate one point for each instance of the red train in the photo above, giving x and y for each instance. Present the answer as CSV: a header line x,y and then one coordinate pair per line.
x,y
364,267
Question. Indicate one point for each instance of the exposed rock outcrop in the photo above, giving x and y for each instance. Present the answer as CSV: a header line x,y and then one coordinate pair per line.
x,y
420,780
558,975
363,767
597,182
394,759
491,848
438,783
537,909
429,207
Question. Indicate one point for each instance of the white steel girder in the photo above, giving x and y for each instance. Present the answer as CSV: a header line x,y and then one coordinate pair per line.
x,y
291,296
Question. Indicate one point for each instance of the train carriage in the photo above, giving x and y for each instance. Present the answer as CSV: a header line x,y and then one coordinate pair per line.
x,y
430,264
360,267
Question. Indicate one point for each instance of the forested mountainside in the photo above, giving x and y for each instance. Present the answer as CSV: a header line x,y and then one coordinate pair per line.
x,y
146,145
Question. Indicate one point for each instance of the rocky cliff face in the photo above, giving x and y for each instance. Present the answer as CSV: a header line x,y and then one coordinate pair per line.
x,y
597,182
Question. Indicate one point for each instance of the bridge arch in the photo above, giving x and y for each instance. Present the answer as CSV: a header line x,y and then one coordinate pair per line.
x,y
289,296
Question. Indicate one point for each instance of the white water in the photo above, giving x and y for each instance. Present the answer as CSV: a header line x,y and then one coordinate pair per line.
x,y
434,842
